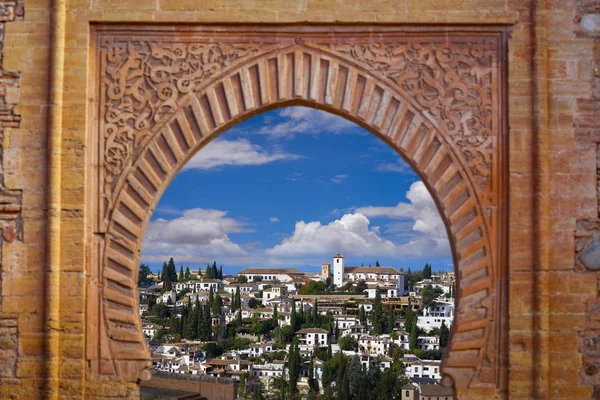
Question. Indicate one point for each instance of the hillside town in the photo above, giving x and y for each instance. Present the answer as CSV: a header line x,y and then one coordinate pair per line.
x,y
348,332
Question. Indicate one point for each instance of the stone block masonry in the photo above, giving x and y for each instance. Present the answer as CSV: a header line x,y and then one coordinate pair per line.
x,y
508,145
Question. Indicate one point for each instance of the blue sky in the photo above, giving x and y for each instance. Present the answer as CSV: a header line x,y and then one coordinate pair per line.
x,y
290,188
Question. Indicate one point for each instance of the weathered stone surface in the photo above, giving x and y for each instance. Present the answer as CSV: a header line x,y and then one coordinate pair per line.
x,y
552,91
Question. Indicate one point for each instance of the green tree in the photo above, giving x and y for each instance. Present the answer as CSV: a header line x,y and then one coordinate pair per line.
x,y
208,274
237,300
348,343
212,350
293,322
220,272
181,277
257,392
217,305
427,271
313,383
294,364
275,317
355,374
391,321
429,295
377,314
192,323
215,271
187,274
377,264
143,275
171,271
163,274
444,335
362,316
414,337
242,279
361,286
315,317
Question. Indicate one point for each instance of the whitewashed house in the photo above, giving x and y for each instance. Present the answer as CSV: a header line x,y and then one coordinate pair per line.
x,y
432,317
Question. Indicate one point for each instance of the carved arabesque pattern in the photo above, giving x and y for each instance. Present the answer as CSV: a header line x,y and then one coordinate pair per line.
x,y
451,82
143,84
433,99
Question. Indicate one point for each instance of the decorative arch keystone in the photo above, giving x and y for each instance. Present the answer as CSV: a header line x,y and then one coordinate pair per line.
x,y
435,96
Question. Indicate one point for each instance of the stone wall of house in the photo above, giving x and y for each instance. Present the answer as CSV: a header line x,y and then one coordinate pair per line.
x,y
554,108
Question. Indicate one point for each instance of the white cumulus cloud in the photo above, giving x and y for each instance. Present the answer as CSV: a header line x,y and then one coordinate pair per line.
x,y
220,153
302,120
429,233
350,234
195,234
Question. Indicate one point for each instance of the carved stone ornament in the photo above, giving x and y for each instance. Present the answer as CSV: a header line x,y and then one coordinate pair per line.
x,y
435,96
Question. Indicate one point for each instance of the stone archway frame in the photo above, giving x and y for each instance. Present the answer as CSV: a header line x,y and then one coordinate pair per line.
x,y
435,95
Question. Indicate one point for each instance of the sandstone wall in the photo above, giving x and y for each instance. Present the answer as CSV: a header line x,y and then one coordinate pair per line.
x,y
554,95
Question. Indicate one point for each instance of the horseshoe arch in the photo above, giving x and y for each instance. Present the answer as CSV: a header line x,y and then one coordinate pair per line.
x,y
435,96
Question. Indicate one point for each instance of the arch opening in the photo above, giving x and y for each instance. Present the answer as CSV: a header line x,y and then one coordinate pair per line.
x,y
342,81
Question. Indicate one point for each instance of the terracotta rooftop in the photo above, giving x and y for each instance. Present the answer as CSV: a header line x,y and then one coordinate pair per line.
x,y
274,271
435,390
373,270
312,330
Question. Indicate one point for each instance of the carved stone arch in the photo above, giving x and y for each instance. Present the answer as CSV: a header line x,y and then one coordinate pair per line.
x,y
434,97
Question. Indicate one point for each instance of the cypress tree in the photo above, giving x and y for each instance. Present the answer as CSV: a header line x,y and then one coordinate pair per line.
x,y
163,274
316,314
208,273
362,316
312,382
391,321
192,325
444,334
187,275
377,264
171,271
237,299
294,364
181,277
377,314
345,386
215,272
220,272
293,322
217,305
275,313
414,336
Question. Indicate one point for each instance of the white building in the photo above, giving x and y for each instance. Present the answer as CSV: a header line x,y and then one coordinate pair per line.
x,y
164,298
312,337
345,321
207,285
150,329
421,284
274,293
417,368
270,274
403,340
432,317
338,270
428,343
267,371
379,345
245,288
